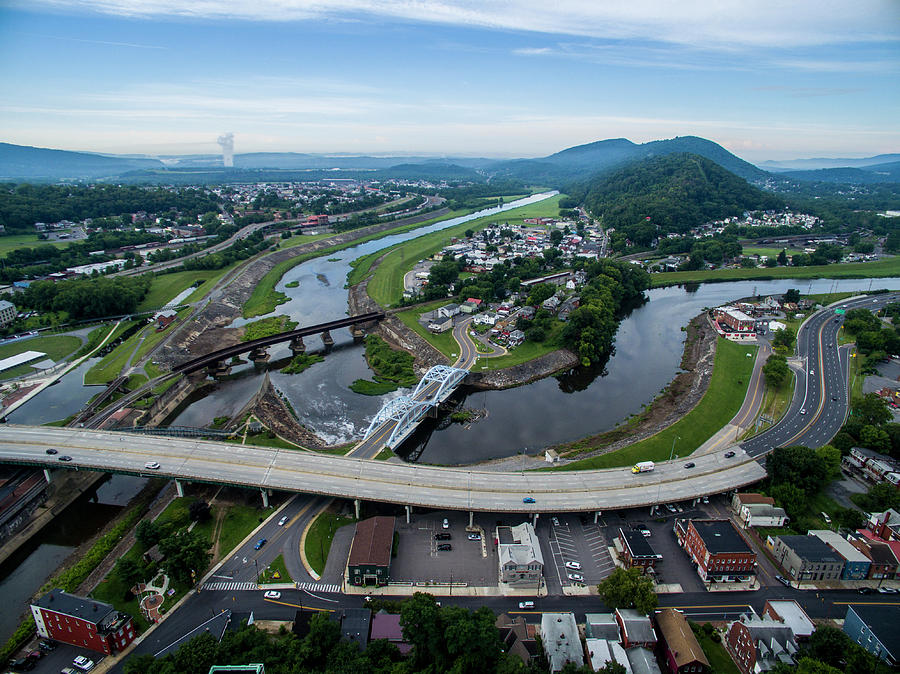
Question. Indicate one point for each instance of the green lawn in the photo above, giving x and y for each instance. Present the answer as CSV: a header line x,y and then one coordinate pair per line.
x,y
57,347
521,354
152,337
723,399
386,284
769,251
719,660
443,342
165,287
319,537
14,241
878,269
278,567
238,524
111,365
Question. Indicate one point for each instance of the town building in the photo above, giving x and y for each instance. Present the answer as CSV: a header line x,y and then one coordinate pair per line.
x,y
717,548
807,558
635,550
601,652
370,552
735,319
7,313
872,465
355,625
759,644
387,626
561,641
642,661
635,628
602,626
520,558
790,613
756,510
82,622
440,324
681,652
884,561
856,564
447,311
517,637
885,525
876,629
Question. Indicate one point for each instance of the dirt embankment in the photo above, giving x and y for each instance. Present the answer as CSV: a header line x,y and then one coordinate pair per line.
x,y
673,402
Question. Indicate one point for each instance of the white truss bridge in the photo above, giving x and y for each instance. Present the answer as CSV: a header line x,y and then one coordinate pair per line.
x,y
403,414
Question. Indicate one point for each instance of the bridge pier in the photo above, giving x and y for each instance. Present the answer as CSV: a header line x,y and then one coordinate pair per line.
x,y
471,518
265,497
358,334
408,512
47,475
219,369
597,516
327,340
179,488
534,519
356,505
259,355
297,346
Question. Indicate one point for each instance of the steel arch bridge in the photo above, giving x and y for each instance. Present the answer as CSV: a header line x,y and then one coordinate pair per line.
x,y
406,411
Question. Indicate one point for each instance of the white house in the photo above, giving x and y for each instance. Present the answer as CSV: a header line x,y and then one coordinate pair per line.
x,y
448,311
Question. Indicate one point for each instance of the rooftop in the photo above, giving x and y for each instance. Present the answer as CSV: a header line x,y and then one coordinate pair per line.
x,y
793,616
720,537
372,542
840,544
674,628
90,610
883,623
811,548
637,543
637,627
559,634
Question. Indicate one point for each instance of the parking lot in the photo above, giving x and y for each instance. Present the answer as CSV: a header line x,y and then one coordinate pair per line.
x,y
419,560
573,539
59,658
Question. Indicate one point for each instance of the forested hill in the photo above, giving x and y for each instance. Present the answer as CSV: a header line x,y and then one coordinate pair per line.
x,y
672,193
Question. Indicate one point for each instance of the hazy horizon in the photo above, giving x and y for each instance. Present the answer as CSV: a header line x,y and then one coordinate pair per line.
x,y
766,80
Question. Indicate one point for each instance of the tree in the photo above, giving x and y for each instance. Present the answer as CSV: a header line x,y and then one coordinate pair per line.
x,y
129,571
628,589
871,409
797,466
148,533
776,370
539,293
199,511
421,626
784,339
791,498
782,258
831,458
792,294
828,644
186,556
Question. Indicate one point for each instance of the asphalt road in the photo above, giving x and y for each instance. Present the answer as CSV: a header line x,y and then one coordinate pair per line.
x,y
820,403
347,477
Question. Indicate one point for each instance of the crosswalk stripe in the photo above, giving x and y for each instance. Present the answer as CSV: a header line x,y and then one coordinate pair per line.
x,y
238,586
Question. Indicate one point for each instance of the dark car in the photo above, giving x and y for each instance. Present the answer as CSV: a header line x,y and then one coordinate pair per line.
x,y
866,590
261,542
51,451
22,665
728,455
444,547
65,457
442,536
689,464
46,646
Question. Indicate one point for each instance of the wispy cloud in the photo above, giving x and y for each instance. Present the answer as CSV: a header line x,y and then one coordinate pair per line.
x,y
811,92
724,23
108,43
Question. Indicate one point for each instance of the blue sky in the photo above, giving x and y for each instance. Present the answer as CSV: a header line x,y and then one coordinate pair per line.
x,y
767,80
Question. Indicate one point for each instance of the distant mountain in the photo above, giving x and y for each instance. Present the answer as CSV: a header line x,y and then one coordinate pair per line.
x,y
825,163
871,174
669,193
23,162
583,161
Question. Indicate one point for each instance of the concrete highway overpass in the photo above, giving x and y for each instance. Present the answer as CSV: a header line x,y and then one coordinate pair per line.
x,y
190,460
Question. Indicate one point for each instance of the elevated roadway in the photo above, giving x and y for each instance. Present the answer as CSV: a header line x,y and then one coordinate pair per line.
x,y
430,486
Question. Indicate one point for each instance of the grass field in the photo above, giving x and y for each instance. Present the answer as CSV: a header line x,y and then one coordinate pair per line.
x,y
768,251
386,284
110,366
165,287
239,521
13,241
319,537
276,572
719,660
878,269
521,354
723,399
57,347
443,342
152,337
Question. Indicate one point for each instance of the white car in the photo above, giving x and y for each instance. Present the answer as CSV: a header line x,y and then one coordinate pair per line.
x,y
645,533
152,465
445,524
283,521
272,594
573,565
803,411
526,604
83,663
575,576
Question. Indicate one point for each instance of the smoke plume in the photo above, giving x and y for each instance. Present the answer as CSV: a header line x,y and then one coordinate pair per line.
x,y
227,143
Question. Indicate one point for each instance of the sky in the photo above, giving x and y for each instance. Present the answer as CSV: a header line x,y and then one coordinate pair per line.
x,y
491,78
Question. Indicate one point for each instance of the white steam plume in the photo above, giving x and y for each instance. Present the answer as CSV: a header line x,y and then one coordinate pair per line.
x,y
227,143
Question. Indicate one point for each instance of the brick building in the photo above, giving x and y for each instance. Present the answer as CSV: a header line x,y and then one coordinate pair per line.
x,y
635,549
681,652
806,558
717,549
760,644
370,553
82,622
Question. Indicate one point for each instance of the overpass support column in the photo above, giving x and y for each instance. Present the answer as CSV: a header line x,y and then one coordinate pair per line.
x,y
408,512
694,502
534,519
179,488
471,518
47,475
356,504
597,516
265,496
653,509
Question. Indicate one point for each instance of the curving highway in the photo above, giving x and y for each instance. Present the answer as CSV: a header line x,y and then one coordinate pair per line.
x,y
820,404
